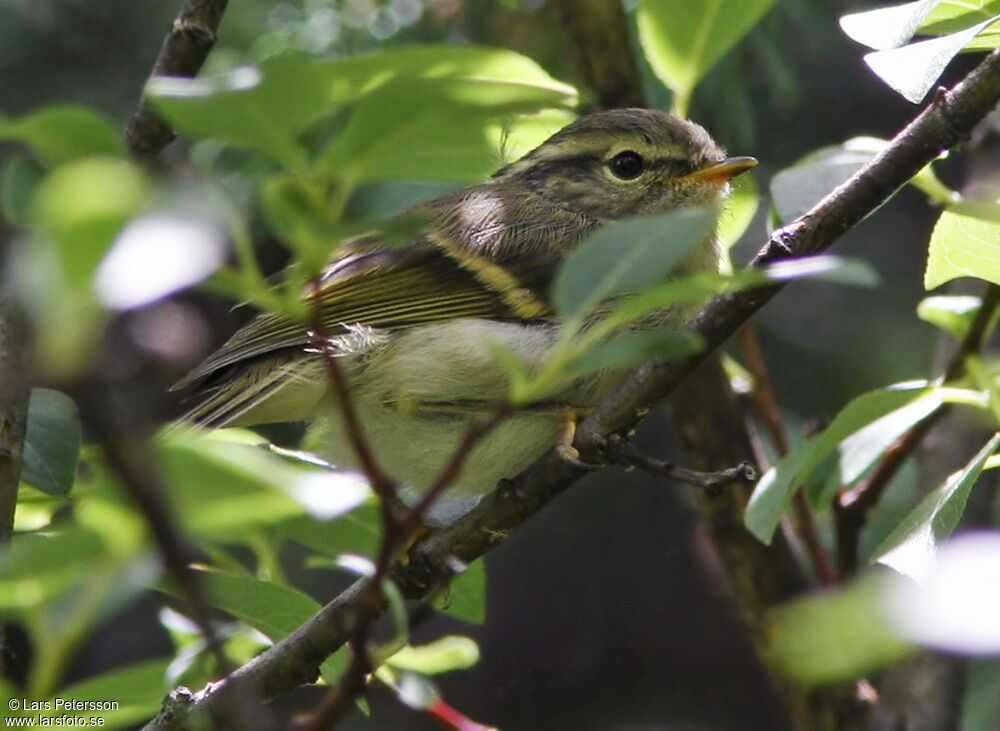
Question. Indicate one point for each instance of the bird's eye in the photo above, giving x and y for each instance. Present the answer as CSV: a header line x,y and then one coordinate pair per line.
x,y
626,165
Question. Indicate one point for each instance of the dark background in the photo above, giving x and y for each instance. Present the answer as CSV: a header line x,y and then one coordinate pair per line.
x,y
605,611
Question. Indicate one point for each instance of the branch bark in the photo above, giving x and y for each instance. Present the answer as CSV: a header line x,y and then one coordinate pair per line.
x,y
183,52
945,123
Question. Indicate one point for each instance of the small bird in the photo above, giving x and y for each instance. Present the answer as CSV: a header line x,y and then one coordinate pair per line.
x,y
412,325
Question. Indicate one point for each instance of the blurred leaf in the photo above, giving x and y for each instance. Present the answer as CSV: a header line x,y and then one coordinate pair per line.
x,y
330,493
273,609
826,268
359,531
861,432
953,606
835,636
52,442
627,256
738,211
62,134
137,689
430,129
440,656
267,108
913,70
887,27
631,349
981,701
156,255
466,597
234,486
38,567
21,176
953,313
965,243
910,549
683,40
416,691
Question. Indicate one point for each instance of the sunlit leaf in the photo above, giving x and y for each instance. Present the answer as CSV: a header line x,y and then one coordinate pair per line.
x,y
965,243
876,420
682,40
61,134
627,256
911,548
951,16
912,70
52,442
358,532
887,27
953,313
835,269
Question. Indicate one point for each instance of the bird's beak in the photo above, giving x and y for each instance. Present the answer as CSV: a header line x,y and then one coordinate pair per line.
x,y
719,172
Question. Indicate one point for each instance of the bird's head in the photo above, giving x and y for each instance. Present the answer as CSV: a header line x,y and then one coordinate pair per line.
x,y
627,162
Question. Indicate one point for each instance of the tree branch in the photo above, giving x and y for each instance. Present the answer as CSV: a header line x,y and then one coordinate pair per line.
x,y
183,52
14,390
945,123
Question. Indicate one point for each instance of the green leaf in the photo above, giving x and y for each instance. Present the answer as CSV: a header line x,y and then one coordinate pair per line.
x,y
272,609
887,27
798,188
38,567
62,134
738,211
627,256
137,689
913,70
357,532
267,108
52,442
682,40
433,129
953,313
234,486
21,176
910,549
440,656
965,243
631,349
861,432
466,598
835,636
954,15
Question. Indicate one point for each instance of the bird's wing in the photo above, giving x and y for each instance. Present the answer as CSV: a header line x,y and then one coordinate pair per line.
x,y
381,288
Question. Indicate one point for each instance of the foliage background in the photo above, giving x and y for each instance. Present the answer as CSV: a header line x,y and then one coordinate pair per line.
x,y
607,610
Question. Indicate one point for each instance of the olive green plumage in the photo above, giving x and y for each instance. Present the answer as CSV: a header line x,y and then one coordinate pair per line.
x,y
412,324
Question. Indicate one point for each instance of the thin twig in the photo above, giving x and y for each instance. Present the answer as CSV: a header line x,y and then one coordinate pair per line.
x,y
766,405
942,125
852,507
622,452
182,53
